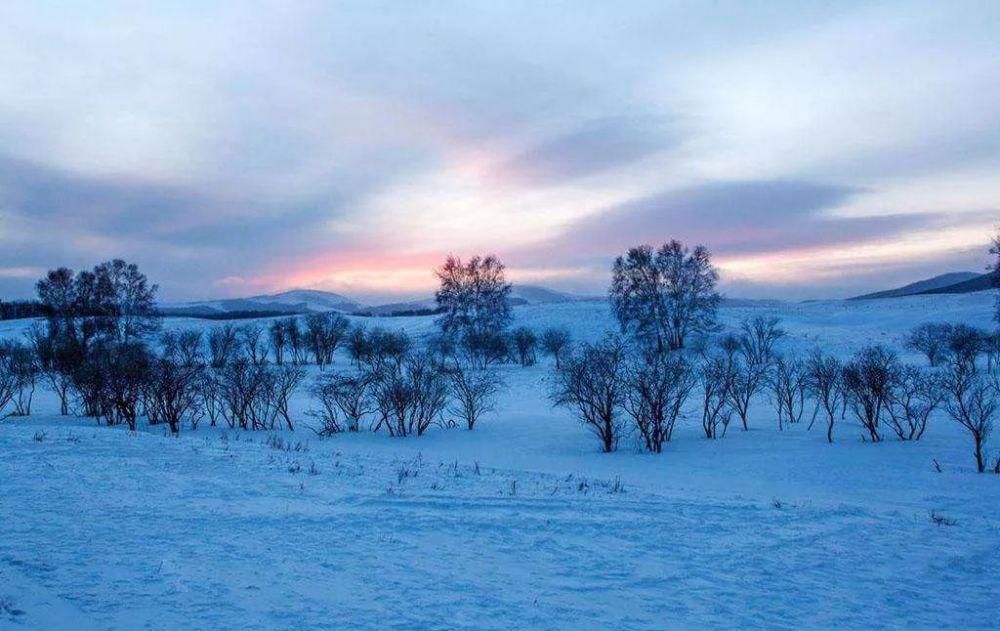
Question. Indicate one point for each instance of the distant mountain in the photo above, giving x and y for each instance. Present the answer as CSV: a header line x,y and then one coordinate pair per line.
x,y
938,284
535,295
980,282
298,301
293,301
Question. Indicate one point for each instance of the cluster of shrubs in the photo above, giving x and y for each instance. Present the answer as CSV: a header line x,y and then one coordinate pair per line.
x,y
244,376
618,386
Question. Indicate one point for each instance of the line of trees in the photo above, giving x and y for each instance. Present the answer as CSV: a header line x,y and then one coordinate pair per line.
x,y
641,383
99,352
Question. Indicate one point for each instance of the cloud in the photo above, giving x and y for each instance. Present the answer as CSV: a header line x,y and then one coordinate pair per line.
x,y
592,146
732,216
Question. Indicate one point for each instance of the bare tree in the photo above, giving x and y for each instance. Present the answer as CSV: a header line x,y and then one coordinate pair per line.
x,y
473,297
357,344
482,349
661,298
973,401
189,348
591,382
56,358
296,340
657,386
555,342
525,342
760,336
279,339
912,398
824,383
473,392
965,343
245,391
868,381
254,344
223,344
386,349
123,369
752,354
930,339
410,399
24,364
283,381
173,393
787,380
335,329
8,384
341,396
715,375
315,331
991,346
211,394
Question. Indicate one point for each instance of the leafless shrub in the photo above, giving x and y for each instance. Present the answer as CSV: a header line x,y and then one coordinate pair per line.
x,y
173,393
556,342
296,340
251,336
715,376
211,395
324,332
223,345
824,382
248,394
868,380
276,333
22,363
473,392
8,384
759,337
912,398
56,357
410,396
787,381
283,382
656,388
973,401
341,396
189,348
592,383
965,343
122,371
525,341
930,339
387,350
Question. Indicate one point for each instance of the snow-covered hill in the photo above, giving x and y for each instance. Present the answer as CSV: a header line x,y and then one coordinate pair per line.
x,y
293,301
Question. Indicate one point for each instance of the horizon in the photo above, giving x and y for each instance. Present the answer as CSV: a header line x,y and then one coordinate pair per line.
x,y
818,151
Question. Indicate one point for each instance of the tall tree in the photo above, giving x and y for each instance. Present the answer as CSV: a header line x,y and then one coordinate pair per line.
x,y
473,297
115,301
665,296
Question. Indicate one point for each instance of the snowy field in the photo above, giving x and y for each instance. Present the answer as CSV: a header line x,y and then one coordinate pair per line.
x,y
521,523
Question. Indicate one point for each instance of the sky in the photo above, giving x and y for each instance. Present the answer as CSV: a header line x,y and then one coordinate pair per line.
x,y
818,149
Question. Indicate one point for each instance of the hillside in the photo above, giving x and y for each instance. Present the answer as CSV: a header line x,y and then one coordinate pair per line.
x,y
981,282
936,284
292,301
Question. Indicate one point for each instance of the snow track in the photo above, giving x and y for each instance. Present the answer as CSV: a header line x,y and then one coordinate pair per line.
x,y
145,531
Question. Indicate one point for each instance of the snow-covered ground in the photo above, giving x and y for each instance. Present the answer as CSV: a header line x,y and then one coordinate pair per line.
x,y
520,523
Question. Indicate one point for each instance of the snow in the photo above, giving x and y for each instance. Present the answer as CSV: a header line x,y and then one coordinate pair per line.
x,y
520,523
